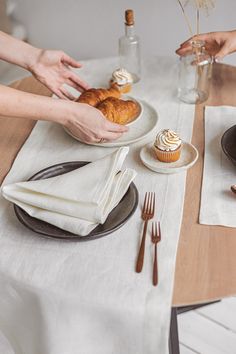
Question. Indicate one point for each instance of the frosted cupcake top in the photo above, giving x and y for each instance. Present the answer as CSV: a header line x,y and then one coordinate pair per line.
x,y
122,77
167,140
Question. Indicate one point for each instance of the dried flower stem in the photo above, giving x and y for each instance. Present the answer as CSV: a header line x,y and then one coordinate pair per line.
x,y
200,5
186,17
198,21
197,4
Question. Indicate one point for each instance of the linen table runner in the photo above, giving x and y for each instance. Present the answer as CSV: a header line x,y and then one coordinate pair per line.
x,y
85,297
217,201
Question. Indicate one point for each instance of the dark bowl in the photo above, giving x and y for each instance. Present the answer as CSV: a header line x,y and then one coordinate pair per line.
x,y
228,143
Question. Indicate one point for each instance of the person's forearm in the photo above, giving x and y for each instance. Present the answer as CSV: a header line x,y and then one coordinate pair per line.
x,y
17,52
19,104
83,121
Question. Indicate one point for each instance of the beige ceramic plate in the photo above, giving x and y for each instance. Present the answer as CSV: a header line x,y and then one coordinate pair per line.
x,y
188,157
138,129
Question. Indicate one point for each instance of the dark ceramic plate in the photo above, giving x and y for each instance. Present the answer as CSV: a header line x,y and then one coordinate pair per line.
x,y
117,218
228,143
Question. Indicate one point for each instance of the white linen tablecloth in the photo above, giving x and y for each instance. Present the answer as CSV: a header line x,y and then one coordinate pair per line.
x,y
218,203
67,297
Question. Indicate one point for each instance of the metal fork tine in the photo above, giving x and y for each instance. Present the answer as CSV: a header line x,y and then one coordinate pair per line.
x,y
144,203
147,203
153,207
156,229
150,204
159,230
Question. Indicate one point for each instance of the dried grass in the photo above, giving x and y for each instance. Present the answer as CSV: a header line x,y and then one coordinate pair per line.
x,y
199,5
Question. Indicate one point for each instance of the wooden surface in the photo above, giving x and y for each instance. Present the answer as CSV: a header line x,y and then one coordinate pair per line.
x,y
206,261
14,131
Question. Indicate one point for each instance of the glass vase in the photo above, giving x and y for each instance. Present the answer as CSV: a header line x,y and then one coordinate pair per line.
x,y
194,74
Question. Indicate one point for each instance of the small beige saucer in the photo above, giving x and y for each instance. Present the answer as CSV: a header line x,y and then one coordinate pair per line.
x,y
188,157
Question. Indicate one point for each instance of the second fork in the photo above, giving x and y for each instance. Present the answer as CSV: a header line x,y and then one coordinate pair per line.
x,y
155,237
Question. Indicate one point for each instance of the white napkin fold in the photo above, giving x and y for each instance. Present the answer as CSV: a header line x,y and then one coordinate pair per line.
x,y
79,200
218,203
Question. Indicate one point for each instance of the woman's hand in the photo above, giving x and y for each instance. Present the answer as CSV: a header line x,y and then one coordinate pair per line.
x,y
89,125
217,44
52,68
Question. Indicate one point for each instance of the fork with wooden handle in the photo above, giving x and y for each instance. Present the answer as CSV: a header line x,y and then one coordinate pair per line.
x,y
147,214
156,237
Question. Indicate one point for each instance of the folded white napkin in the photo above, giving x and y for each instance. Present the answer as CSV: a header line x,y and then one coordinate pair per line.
x,y
79,200
218,203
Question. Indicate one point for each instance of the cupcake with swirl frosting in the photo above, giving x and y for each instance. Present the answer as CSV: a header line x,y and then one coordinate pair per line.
x,y
167,146
122,80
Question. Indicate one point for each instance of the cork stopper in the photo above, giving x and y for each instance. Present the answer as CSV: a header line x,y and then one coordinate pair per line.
x,y
129,17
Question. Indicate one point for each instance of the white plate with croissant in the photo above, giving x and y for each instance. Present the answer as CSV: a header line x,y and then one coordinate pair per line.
x,y
138,115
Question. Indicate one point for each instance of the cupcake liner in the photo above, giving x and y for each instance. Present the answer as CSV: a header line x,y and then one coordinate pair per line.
x,y
167,156
122,88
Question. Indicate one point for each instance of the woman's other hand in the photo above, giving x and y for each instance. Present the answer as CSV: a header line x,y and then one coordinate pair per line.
x,y
217,44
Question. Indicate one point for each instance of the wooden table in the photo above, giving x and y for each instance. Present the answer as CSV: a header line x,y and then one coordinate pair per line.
x,y
206,262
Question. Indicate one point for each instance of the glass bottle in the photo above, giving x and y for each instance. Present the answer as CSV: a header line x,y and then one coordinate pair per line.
x,y
129,48
194,74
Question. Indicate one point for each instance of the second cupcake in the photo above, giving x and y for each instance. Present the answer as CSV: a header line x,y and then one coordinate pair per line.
x,y
122,80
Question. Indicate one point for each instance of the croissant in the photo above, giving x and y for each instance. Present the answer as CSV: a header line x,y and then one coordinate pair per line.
x,y
94,96
119,111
